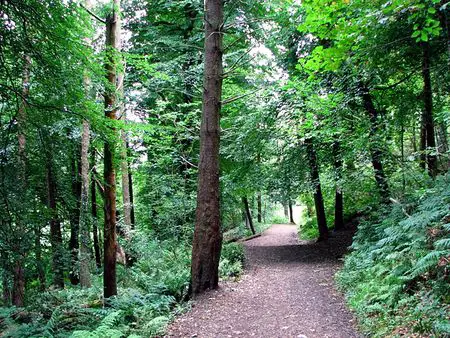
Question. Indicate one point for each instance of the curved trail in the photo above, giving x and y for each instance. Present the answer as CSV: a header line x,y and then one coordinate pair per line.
x,y
286,291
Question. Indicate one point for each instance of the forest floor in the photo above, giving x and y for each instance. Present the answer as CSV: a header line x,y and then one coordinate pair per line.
x,y
287,290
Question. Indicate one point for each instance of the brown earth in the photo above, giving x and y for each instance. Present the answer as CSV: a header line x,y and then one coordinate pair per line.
x,y
287,290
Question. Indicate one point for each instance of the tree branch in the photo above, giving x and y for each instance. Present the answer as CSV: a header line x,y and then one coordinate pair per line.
x,y
93,14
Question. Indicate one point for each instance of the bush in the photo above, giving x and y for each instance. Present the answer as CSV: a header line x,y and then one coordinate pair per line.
x,y
231,260
397,276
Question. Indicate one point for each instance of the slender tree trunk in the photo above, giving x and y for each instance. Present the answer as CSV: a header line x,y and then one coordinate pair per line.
x,y
39,264
74,241
125,185
414,138
339,199
259,202
428,121
130,181
55,228
286,210
85,219
18,291
207,240
98,259
248,215
443,145
375,148
318,198
291,213
6,295
85,216
111,108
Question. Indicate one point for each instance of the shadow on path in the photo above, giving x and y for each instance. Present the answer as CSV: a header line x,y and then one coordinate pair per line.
x,y
287,290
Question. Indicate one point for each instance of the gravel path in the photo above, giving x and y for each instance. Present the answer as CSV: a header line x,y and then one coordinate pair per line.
x,y
286,291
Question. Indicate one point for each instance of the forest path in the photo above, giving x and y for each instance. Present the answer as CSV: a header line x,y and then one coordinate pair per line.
x,y
286,291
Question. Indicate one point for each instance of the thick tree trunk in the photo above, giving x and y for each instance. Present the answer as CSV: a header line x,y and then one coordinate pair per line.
x,y
291,213
207,240
111,108
259,202
339,199
85,252
375,148
74,241
318,198
428,122
55,228
248,215
98,258
18,291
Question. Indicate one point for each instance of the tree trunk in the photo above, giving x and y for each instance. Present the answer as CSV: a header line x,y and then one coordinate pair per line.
x,y
207,240
6,295
85,252
318,198
18,292
98,259
74,242
39,264
55,228
259,202
286,210
428,122
291,213
339,200
111,108
130,181
248,215
125,185
375,149
443,145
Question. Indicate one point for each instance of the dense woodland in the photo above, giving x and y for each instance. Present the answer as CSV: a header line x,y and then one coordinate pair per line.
x,y
140,138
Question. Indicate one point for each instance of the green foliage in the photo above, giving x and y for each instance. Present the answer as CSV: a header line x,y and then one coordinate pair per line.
x,y
231,260
397,272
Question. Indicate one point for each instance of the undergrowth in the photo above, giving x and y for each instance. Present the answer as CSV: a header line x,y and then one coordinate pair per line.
x,y
150,294
396,278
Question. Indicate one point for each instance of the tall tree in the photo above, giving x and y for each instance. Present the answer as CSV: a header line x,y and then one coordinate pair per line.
x,y
18,291
427,117
207,240
111,110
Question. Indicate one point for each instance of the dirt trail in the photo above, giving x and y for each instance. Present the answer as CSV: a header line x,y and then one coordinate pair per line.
x,y
286,291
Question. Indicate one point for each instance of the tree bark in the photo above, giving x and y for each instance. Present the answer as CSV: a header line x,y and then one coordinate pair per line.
x,y
39,264
375,149
207,240
428,122
55,228
85,220
98,258
259,202
111,108
286,210
291,213
18,291
130,181
248,215
339,199
74,241
318,198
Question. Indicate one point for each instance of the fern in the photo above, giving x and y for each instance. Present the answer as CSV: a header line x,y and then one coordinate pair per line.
x,y
105,330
